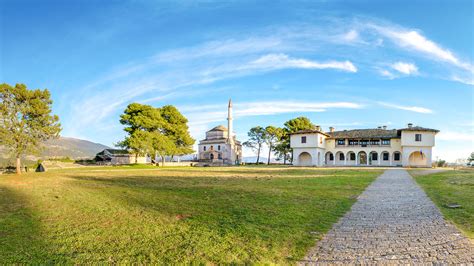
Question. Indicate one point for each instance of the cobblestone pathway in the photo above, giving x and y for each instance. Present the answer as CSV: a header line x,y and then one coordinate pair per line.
x,y
392,222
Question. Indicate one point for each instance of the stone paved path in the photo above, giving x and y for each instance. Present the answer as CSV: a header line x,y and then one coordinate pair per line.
x,y
393,222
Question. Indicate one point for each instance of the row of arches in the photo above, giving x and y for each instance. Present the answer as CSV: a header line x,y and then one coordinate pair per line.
x,y
362,158
384,158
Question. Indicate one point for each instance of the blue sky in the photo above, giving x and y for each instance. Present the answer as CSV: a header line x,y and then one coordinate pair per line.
x,y
347,64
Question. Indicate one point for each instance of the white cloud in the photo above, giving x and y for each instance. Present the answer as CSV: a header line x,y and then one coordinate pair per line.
x,y
387,74
351,36
468,81
415,109
205,114
280,61
405,68
413,40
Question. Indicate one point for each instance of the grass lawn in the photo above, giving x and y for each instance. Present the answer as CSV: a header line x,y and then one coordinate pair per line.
x,y
452,187
169,215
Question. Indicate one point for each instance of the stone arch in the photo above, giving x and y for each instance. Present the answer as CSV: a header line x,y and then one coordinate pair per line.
x,y
399,157
385,155
329,158
340,158
362,158
374,158
349,155
305,159
417,159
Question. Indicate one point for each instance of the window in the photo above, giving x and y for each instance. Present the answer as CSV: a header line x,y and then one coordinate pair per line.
x,y
375,142
374,156
385,156
303,139
417,137
396,156
353,142
219,148
331,157
212,148
341,142
219,156
385,142
353,156
204,148
364,143
341,156
320,140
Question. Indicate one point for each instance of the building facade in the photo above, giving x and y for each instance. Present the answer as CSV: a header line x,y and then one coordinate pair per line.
x,y
220,147
116,157
408,147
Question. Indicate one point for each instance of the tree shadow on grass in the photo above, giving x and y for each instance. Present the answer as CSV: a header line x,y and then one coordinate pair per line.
x,y
20,238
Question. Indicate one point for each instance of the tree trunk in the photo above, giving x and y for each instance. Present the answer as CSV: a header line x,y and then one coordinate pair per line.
x,y
162,160
136,158
284,159
269,153
18,165
258,154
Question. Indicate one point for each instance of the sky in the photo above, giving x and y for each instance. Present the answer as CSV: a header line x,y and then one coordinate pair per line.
x,y
346,64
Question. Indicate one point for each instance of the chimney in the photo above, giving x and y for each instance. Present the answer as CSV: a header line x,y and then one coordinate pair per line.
x,y
410,125
384,127
331,129
318,128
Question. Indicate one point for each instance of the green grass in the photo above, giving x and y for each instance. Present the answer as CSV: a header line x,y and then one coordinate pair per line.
x,y
172,215
452,187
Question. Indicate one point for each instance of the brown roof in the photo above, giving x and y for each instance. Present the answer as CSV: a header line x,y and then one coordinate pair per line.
x,y
417,128
308,131
365,133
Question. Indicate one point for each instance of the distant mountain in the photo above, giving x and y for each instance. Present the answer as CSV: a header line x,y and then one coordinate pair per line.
x,y
67,147
72,148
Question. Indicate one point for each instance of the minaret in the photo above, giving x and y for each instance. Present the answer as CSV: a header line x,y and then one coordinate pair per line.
x,y
230,128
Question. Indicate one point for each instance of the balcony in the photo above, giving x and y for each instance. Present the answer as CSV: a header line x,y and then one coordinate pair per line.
x,y
364,144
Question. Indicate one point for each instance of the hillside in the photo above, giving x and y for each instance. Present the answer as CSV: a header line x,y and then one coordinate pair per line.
x,y
68,147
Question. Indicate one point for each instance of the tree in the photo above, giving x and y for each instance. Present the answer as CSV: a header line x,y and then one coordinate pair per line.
x,y
256,139
162,146
271,136
177,130
139,142
140,120
470,159
153,131
291,126
282,148
26,120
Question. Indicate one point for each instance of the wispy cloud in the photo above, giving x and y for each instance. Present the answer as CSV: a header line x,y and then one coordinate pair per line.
x,y
405,68
280,61
414,40
398,69
415,109
206,113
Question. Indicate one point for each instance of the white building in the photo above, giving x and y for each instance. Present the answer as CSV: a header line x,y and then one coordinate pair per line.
x,y
220,147
409,147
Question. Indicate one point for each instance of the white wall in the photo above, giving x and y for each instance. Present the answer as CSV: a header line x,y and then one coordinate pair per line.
x,y
427,138
314,156
407,150
312,140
